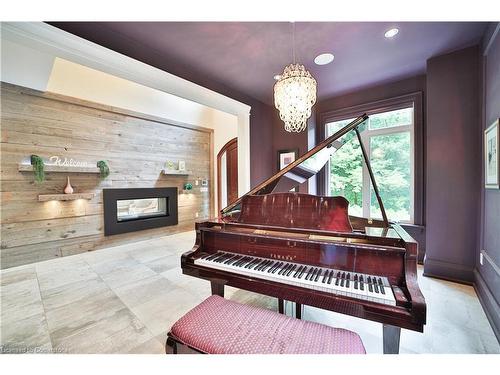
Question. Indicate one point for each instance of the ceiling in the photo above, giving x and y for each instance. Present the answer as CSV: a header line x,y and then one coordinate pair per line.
x,y
245,56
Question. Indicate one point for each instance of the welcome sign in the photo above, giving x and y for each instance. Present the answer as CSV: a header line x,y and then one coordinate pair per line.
x,y
65,162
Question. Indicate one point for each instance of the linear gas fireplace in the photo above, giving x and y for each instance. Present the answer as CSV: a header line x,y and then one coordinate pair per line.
x,y
129,210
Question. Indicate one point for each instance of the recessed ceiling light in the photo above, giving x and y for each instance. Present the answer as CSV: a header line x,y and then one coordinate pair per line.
x,y
323,59
391,33
277,76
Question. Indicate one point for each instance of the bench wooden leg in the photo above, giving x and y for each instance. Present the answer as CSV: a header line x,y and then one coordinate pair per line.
x,y
391,336
281,306
170,346
217,288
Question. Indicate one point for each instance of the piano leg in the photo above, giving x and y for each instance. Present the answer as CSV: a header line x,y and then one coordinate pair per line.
x,y
281,306
391,339
298,310
217,288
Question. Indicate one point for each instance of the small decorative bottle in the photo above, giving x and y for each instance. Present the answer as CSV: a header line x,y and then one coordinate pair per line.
x,y
68,189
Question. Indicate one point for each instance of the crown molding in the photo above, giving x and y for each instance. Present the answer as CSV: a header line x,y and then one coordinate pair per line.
x,y
53,41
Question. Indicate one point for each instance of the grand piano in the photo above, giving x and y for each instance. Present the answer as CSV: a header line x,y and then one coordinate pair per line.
x,y
308,250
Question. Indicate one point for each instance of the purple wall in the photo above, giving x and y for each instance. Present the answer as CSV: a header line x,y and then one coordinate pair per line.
x,y
487,278
453,164
262,123
374,93
283,140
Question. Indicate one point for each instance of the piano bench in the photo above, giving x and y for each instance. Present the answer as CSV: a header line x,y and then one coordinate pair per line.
x,y
220,326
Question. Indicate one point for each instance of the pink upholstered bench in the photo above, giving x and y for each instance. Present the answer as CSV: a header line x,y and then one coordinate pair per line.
x,y
220,326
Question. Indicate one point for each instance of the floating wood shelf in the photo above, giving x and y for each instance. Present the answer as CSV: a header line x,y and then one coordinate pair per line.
x,y
174,172
57,168
64,197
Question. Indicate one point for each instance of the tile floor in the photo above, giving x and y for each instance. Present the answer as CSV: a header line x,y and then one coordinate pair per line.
x,y
124,299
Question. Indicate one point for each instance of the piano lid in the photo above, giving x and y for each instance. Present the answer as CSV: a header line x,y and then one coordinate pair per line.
x,y
308,165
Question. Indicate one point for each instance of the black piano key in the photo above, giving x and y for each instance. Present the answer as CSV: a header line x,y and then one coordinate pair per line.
x,y
213,256
375,286
307,271
337,280
216,259
302,272
242,262
256,264
382,289
283,269
252,263
370,288
325,276
266,265
260,264
280,264
237,263
318,274
237,260
355,281
234,260
308,274
380,282
248,261
280,267
285,273
313,274
269,264
273,266
298,271
224,258
263,265
230,258
342,279
330,276
348,279
361,283
204,256
291,270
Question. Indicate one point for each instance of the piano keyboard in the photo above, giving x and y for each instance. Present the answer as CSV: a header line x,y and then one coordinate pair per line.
x,y
350,284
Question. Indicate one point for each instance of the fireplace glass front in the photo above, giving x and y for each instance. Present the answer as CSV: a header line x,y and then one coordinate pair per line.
x,y
134,209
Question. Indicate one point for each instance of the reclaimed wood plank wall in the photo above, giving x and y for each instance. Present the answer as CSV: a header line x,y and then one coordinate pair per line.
x,y
136,147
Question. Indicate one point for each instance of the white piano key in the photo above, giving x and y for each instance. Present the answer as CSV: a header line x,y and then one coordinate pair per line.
x,y
313,284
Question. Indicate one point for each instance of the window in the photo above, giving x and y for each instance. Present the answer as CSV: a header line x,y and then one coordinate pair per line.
x,y
388,137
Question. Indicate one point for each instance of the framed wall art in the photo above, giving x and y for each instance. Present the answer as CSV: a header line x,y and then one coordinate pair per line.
x,y
286,157
491,155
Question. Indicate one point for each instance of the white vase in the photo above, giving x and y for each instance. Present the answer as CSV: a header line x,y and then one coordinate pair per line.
x,y
68,189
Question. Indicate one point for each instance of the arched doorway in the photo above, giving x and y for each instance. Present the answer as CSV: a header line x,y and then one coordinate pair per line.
x,y
227,174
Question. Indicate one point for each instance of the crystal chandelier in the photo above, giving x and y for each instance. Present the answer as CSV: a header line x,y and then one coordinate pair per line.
x,y
294,95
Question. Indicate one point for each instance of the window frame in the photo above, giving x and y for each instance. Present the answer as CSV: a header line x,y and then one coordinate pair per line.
x,y
416,144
